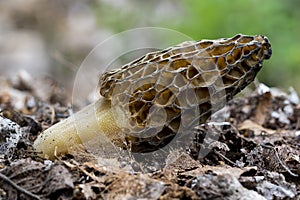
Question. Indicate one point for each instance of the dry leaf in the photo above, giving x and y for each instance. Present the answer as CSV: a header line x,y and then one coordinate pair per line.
x,y
257,129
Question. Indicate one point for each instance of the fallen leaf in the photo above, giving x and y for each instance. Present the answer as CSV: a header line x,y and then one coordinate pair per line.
x,y
257,129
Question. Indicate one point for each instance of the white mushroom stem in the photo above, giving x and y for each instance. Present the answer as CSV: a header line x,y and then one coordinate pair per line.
x,y
96,121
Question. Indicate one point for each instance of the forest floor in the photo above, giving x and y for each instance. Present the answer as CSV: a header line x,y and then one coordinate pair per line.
x,y
255,154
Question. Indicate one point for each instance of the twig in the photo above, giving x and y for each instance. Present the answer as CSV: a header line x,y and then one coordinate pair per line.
x,y
227,159
280,161
8,180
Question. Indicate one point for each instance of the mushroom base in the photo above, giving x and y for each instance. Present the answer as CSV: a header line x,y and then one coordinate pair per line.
x,y
93,123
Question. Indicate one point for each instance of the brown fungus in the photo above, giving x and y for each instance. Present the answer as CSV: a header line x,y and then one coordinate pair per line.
x,y
143,103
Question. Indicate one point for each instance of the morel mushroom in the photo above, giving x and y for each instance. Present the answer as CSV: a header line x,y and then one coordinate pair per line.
x,y
146,103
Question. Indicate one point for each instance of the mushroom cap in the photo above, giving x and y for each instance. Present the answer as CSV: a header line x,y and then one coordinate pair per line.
x,y
166,92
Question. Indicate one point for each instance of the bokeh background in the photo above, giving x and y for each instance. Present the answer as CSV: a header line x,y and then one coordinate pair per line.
x,y
52,38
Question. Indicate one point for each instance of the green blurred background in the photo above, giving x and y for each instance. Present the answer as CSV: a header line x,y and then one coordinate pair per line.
x,y
63,32
200,19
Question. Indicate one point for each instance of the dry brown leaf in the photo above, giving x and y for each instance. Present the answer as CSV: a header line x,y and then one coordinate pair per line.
x,y
249,125
220,170
262,108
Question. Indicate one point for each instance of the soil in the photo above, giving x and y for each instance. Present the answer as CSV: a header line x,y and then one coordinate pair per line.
x,y
254,154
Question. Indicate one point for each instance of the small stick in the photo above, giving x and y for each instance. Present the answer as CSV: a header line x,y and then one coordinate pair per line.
x,y
227,159
8,180
280,161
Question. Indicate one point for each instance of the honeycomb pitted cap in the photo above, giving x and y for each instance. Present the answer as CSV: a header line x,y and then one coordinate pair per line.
x,y
180,86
